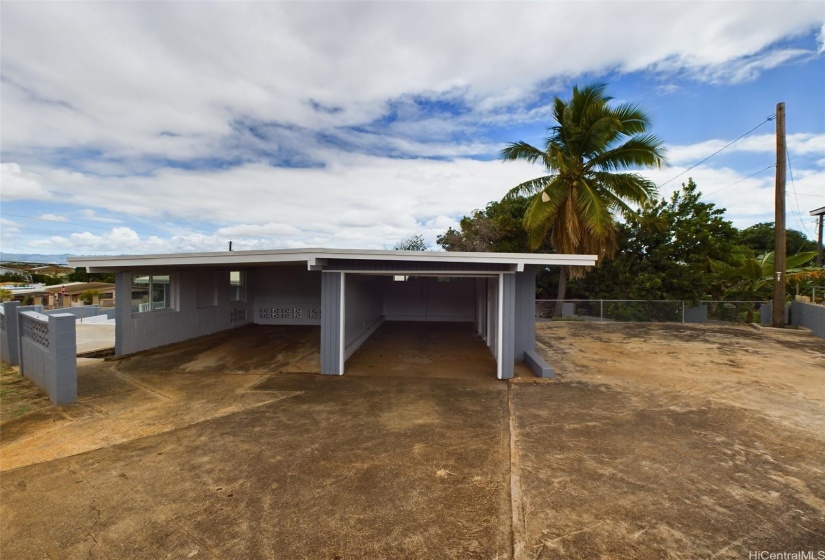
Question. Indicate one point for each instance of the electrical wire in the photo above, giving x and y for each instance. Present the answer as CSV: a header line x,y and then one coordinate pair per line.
x,y
726,146
793,188
52,220
740,180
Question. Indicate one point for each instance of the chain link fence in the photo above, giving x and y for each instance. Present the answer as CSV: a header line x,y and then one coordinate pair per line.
x,y
663,311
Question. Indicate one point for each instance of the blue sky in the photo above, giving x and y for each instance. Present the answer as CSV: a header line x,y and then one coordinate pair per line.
x,y
155,127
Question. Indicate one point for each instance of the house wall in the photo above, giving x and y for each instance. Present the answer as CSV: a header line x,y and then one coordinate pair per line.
x,y
186,318
424,298
286,295
363,305
332,351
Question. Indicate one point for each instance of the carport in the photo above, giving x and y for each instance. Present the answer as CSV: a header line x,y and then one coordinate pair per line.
x,y
162,299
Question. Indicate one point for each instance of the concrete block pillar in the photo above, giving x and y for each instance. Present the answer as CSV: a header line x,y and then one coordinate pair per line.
x,y
507,293
10,335
63,346
332,323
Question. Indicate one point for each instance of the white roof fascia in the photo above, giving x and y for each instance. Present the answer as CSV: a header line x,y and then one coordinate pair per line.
x,y
316,258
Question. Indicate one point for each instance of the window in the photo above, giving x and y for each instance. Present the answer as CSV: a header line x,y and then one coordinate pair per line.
x,y
237,285
151,293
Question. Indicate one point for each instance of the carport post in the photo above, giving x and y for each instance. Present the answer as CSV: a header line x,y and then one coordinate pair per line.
x,y
506,325
332,323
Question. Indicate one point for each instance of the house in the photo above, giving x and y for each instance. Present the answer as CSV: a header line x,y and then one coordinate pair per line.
x,y
348,294
70,294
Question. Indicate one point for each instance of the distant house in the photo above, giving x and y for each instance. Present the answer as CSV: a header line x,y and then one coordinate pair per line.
x,y
69,295
346,294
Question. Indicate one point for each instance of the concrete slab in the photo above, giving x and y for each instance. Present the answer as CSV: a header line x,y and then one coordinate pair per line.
x,y
93,337
393,468
423,350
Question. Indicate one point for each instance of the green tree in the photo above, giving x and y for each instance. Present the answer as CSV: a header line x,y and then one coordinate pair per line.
x,y
586,153
88,296
412,243
665,251
760,238
80,275
751,279
497,229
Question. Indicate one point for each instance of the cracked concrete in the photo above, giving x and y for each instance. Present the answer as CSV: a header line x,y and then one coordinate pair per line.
x,y
646,446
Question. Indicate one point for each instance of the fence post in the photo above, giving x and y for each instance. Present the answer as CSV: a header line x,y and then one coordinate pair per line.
x,y
601,310
683,311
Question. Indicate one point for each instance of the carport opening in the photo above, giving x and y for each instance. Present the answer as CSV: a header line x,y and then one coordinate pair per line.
x,y
419,326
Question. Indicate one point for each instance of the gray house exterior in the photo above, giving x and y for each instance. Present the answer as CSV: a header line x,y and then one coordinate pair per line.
x,y
163,299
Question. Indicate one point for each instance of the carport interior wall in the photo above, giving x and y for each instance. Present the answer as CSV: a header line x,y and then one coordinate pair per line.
x,y
348,303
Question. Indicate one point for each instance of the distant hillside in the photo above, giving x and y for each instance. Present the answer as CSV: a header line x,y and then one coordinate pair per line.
x,y
34,258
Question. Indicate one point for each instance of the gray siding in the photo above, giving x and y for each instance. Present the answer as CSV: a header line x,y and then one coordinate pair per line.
x,y
508,324
364,305
331,308
424,298
135,332
286,295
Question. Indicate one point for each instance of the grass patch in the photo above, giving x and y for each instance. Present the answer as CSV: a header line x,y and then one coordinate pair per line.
x,y
18,395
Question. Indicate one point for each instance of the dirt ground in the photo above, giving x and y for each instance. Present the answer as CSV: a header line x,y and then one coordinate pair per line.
x,y
654,441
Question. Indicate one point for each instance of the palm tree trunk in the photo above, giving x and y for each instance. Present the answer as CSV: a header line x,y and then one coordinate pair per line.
x,y
562,290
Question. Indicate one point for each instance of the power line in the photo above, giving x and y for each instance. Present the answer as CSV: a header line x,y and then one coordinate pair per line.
x,y
793,188
740,180
726,146
52,220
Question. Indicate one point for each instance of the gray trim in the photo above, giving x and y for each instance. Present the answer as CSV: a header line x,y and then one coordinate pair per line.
x,y
525,312
410,268
538,365
507,321
332,284
123,308
10,344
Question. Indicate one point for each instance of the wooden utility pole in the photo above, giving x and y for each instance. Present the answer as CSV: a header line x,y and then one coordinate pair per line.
x,y
778,317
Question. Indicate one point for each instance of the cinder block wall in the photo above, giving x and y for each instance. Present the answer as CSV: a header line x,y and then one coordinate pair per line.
x,y
9,339
809,316
48,353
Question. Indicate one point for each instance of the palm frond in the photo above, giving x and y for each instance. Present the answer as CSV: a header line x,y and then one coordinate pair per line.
x,y
522,150
530,187
638,151
633,120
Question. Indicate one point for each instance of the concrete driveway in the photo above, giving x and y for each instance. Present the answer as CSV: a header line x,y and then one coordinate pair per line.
x,y
203,464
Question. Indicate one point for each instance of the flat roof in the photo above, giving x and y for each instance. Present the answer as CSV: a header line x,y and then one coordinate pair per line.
x,y
315,258
817,212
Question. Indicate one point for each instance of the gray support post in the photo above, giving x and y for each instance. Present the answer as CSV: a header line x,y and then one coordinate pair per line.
x,y
63,346
332,330
525,306
508,324
123,309
10,345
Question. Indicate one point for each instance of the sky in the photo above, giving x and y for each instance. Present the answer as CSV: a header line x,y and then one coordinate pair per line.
x,y
151,127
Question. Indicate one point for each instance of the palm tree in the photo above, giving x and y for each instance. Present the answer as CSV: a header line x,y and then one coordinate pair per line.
x,y
585,154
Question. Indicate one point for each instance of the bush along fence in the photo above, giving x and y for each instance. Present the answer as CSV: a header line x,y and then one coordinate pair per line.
x,y
664,311
45,348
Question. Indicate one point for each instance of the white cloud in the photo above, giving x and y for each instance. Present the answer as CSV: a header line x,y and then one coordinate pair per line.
x,y
9,226
20,185
797,144
167,80
53,218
